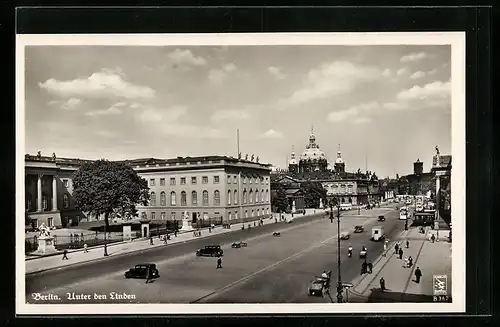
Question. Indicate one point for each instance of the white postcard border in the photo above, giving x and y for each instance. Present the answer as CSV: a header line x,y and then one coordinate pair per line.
x,y
455,39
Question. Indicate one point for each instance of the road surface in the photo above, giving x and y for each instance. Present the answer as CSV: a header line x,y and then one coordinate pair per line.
x,y
270,270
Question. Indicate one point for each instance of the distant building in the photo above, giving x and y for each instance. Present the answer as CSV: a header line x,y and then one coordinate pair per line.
x,y
418,183
201,187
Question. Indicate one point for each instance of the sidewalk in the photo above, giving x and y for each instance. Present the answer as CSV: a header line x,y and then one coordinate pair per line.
x,y
431,258
43,263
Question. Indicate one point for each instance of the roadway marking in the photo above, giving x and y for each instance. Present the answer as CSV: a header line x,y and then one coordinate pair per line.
x,y
247,277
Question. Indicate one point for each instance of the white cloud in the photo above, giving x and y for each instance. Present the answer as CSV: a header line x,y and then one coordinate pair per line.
x,y
417,75
387,72
192,131
362,120
106,112
229,115
434,90
120,104
331,79
432,72
160,115
186,57
402,71
276,72
272,134
413,57
218,76
395,105
100,84
354,111
342,115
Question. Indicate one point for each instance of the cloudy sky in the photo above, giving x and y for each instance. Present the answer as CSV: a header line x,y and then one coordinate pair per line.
x,y
384,105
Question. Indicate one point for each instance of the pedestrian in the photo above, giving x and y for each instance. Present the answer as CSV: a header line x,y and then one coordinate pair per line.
x,y
396,248
151,240
433,238
165,238
65,254
400,253
219,263
85,250
370,267
406,263
175,233
382,284
385,249
148,275
410,262
364,266
407,244
418,274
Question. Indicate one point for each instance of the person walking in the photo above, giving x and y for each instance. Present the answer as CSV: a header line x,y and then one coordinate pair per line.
x,y
385,249
396,248
364,266
406,263
85,250
370,267
400,253
65,254
433,238
382,284
418,275
151,240
410,262
407,244
148,275
219,263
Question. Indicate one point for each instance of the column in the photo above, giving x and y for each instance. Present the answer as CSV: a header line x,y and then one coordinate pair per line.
x,y
54,193
39,207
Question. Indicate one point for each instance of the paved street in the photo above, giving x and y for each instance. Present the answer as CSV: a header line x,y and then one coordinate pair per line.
x,y
270,269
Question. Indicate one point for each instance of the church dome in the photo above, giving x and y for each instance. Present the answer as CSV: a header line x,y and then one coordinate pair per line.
x,y
312,151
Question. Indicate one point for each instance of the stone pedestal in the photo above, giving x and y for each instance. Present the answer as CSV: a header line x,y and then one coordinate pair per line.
x,y
321,206
186,225
45,245
127,232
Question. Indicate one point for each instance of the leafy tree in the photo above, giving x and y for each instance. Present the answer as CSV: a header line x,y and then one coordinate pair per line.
x,y
313,192
279,201
102,187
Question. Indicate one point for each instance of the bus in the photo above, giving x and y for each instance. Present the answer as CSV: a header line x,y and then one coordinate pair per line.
x,y
403,213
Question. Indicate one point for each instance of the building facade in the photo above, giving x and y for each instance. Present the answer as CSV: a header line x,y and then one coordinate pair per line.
x,y
212,187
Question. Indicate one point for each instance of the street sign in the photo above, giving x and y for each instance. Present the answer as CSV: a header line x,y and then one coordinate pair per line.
x,y
347,285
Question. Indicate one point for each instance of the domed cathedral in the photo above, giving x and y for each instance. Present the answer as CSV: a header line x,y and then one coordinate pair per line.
x,y
312,159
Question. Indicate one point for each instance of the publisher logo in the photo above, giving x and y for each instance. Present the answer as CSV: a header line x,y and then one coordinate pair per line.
x,y
440,284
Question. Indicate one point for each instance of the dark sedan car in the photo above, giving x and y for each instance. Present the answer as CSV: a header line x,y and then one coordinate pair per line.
x,y
239,245
358,229
381,218
210,251
276,234
141,271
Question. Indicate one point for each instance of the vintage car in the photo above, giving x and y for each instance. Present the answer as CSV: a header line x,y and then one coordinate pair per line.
x,y
381,218
358,229
276,234
239,245
320,285
345,235
141,271
362,253
210,251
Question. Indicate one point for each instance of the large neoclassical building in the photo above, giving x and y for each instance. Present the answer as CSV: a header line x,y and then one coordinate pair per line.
x,y
198,187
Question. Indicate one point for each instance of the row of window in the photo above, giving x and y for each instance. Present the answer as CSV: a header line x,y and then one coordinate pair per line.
x,y
232,198
204,180
231,215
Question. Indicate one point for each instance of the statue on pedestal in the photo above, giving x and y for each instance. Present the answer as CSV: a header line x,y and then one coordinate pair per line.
x,y
251,159
257,159
294,209
321,206
39,154
53,156
44,230
186,224
246,156
239,155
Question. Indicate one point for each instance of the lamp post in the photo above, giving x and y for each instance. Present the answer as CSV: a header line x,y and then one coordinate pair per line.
x,y
106,219
339,278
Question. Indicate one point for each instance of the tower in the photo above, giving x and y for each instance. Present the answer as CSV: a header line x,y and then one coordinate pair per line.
x,y
339,162
293,166
418,167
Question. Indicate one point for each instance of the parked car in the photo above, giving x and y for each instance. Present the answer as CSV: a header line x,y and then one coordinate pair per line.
x,y
141,271
381,218
210,251
276,234
239,244
358,229
362,253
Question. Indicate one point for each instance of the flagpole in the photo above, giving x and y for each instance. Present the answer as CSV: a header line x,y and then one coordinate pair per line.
x,y
238,141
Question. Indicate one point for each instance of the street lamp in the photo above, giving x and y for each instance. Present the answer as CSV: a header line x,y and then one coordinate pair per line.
x,y
339,279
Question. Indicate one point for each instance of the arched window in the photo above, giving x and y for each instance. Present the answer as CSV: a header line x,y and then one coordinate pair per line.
x,y
65,201
235,197
183,199
262,196
267,195
217,198
163,199
251,197
256,196
228,197
173,198
152,201
194,198
258,212
29,201
205,198
244,197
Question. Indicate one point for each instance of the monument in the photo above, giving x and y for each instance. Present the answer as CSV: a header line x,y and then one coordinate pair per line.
x,y
45,241
321,206
186,223
294,209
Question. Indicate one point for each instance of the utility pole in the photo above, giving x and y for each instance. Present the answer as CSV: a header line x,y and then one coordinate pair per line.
x,y
339,279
